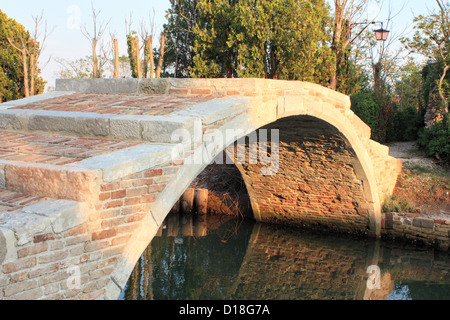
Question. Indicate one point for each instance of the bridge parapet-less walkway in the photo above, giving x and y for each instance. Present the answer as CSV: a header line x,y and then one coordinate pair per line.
x,y
89,172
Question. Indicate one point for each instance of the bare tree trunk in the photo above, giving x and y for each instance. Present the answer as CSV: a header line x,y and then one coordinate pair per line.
x,y
161,57
94,39
145,71
337,34
138,56
441,94
94,56
116,58
25,73
148,57
32,72
24,53
152,62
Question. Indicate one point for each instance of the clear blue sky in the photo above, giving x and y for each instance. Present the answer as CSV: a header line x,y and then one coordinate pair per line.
x,y
65,16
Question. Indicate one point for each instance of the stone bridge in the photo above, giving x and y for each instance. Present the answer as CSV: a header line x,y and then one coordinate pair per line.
x,y
89,172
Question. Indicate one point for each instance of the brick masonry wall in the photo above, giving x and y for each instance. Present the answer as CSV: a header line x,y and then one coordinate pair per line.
x,y
315,184
41,270
433,232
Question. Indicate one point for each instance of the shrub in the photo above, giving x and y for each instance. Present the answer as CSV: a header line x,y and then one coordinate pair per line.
x,y
395,204
364,106
435,140
407,124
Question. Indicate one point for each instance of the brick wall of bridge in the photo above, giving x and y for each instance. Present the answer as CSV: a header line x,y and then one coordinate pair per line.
x,y
314,185
40,267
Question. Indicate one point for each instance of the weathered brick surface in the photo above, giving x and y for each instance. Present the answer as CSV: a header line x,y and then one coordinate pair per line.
x,y
11,201
41,268
121,103
51,149
315,184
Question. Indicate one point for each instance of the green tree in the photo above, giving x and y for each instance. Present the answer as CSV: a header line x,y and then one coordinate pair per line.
x,y
214,58
181,17
15,66
280,39
366,108
432,40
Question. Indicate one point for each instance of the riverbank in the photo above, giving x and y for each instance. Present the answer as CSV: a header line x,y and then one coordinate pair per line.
x,y
418,211
423,183
421,198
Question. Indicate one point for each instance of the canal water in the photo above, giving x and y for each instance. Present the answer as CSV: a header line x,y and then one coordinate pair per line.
x,y
223,258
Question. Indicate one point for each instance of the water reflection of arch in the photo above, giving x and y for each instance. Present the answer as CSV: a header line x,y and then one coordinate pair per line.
x,y
319,267
177,260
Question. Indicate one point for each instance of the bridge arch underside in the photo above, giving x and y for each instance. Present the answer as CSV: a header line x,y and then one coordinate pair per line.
x,y
318,182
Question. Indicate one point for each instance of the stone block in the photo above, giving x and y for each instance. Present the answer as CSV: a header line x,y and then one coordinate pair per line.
x,y
7,245
389,220
98,85
61,182
63,214
24,225
11,120
214,110
118,164
423,223
72,122
163,131
2,176
126,127
154,86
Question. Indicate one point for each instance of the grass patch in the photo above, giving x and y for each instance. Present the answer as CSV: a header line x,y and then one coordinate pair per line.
x,y
396,204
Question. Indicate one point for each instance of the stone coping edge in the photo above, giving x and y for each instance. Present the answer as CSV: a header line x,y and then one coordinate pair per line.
x,y
130,127
32,223
80,181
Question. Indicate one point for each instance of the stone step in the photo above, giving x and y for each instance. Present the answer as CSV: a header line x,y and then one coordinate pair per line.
x,y
35,223
65,167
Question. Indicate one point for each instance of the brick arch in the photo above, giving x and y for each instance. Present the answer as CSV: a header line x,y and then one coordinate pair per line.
x,y
319,180
371,164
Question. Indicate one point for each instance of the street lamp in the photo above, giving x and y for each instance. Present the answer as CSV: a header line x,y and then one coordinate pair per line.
x,y
380,34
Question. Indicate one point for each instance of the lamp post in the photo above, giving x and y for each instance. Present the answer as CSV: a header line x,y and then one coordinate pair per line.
x,y
380,34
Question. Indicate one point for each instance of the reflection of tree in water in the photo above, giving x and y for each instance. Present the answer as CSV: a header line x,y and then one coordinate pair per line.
x,y
237,261
185,267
